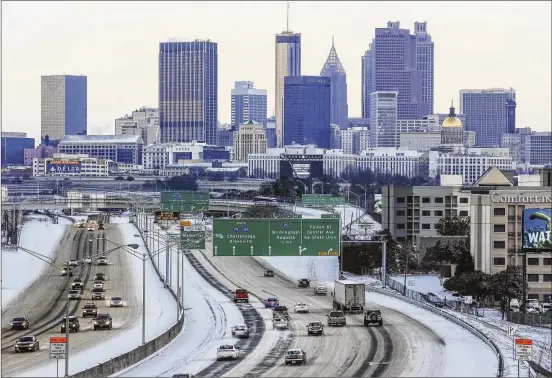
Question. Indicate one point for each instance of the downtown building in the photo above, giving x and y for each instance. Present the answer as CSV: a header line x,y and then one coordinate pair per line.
x,y
399,61
527,146
335,163
188,91
383,119
14,146
248,104
288,63
143,122
63,107
338,93
489,113
496,209
307,110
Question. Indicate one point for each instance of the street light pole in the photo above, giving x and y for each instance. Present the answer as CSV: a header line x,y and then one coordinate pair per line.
x,y
177,280
143,298
67,322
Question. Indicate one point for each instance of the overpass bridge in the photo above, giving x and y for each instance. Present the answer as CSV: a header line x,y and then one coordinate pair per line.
x,y
111,203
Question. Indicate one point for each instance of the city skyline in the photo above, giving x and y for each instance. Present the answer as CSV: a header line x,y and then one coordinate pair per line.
x,y
120,77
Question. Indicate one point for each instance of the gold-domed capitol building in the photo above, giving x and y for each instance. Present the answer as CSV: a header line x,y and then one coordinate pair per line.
x,y
452,131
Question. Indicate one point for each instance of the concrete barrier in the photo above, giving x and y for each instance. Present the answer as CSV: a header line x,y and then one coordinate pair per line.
x,y
136,355
453,319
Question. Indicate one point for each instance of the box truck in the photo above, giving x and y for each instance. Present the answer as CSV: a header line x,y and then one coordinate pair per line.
x,y
349,296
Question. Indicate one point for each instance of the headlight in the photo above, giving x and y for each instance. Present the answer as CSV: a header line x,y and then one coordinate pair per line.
x,y
95,322
109,321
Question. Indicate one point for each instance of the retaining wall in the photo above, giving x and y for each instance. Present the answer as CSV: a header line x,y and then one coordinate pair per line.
x,y
125,360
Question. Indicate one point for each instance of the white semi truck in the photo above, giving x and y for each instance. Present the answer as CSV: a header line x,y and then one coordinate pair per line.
x,y
349,296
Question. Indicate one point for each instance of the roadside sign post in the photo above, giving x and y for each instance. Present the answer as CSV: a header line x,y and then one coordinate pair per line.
x,y
523,349
58,346
513,331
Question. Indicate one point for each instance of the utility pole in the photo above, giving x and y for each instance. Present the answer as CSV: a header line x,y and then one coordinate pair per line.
x,y
524,283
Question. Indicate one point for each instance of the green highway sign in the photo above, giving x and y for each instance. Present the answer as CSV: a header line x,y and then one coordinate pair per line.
x,y
329,216
192,237
276,237
185,201
321,200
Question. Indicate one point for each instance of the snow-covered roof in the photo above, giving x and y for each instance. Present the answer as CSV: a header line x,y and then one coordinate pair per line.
x,y
224,169
101,139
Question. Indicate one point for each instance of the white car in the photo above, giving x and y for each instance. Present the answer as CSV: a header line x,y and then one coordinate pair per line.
x,y
240,330
280,323
88,260
116,302
74,294
102,261
228,351
97,285
73,262
301,308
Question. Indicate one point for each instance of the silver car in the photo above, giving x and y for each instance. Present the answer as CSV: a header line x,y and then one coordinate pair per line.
x,y
74,294
320,290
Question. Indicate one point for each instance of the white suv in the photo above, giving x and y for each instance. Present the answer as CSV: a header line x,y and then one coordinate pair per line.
x,y
228,351
102,260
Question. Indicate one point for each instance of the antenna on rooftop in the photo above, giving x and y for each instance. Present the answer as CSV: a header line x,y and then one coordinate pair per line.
x,y
287,18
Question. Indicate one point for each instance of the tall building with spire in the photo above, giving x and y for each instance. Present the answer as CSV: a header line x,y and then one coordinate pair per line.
x,y
288,63
338,88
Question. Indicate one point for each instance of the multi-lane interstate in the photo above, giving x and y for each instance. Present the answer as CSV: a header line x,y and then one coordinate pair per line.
x,y
43,303
400,347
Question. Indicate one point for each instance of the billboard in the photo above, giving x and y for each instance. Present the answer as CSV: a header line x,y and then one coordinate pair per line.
x,y
63,166
301,166
537,230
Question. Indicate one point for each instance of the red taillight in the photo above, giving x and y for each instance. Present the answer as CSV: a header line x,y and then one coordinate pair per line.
x,y
233,350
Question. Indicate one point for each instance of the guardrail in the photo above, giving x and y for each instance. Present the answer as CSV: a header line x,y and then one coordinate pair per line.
x,y
127,359
491,344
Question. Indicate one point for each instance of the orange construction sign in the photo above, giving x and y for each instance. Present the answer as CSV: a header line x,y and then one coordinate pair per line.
x,y
54,340
524,342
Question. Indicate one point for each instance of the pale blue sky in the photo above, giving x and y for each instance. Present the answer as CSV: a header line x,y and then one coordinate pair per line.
x,y
477,45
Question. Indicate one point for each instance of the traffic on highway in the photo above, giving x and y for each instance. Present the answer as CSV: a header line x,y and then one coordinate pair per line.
x,y
303,327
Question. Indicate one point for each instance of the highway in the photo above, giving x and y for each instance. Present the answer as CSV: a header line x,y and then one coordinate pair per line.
x,y
44,301
402,346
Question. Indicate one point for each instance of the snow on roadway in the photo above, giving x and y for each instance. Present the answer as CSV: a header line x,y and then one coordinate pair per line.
x,y
209,316
490,322
39,235
482,361
493,327
160,315
324,270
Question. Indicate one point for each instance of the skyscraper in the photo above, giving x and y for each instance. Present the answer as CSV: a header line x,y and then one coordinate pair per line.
x,y
383,122
288,63
307,110
338,95
487,113
63,106
397,61
248,104
188,97
424,61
